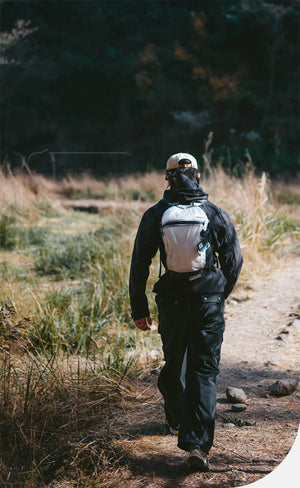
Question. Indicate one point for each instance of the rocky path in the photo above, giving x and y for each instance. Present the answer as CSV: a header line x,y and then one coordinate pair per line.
x,y
259,348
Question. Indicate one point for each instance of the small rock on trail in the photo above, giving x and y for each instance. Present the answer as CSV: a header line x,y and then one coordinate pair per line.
x,y
283,387
236,395
238,407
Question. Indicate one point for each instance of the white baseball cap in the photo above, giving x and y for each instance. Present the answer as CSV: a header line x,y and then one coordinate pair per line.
x,y
175,160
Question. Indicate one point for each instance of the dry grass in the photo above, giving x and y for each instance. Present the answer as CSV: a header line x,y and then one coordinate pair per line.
x,y
47,411
58,409
140,186
246,194
265,224
24,190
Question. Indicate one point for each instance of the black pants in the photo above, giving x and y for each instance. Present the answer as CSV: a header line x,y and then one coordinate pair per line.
x,y
191,328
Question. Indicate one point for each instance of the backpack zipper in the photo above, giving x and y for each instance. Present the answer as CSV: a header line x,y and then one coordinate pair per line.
x,y
183,222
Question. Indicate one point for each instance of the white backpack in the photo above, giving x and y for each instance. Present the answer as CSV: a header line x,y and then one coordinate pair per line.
x,y
184,230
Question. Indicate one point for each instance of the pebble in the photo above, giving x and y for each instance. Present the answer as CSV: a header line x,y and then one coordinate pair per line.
x,y
238,407
229,425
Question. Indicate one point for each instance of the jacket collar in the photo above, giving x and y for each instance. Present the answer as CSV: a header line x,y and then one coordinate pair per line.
x,y
186,195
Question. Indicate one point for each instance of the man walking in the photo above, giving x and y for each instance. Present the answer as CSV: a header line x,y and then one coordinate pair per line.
x,y
202,259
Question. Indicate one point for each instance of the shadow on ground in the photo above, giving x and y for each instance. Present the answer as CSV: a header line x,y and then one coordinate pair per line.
x,y
173,472
152,461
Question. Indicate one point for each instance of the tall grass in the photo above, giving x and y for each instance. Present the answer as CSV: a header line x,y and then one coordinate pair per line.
x,y
50,402
47,411
267,230
68,346
98,256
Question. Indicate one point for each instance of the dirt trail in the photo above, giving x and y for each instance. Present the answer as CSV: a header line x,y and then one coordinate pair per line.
x,y
253,325
252,359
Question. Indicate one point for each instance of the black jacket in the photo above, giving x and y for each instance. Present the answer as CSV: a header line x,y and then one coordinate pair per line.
x,y
148,240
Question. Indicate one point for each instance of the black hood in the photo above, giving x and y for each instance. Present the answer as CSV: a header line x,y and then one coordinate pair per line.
x,y
186,195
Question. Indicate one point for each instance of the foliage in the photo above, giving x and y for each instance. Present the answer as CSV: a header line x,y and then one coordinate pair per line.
x,y
143,77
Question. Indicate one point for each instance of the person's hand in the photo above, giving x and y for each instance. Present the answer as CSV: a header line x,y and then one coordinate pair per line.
x,y
143,324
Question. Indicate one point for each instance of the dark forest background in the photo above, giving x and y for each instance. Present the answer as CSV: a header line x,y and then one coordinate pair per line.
x,y
151,78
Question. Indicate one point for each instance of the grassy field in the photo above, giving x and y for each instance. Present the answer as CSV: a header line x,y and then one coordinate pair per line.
x,y
68,347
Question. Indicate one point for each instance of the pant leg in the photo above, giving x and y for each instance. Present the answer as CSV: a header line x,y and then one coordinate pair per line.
x,y
172,328
204,338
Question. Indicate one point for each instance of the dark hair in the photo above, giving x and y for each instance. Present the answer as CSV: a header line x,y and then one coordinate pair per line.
x,y
175,180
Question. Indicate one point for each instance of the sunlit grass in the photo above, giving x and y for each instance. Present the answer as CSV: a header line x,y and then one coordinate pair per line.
x,y
68,344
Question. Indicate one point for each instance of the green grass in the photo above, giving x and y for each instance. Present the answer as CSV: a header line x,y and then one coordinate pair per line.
x,y
289,198
86,317
11,272
280,228
68,345
7,235
70,319
142,195
46,209
67,256
16,236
